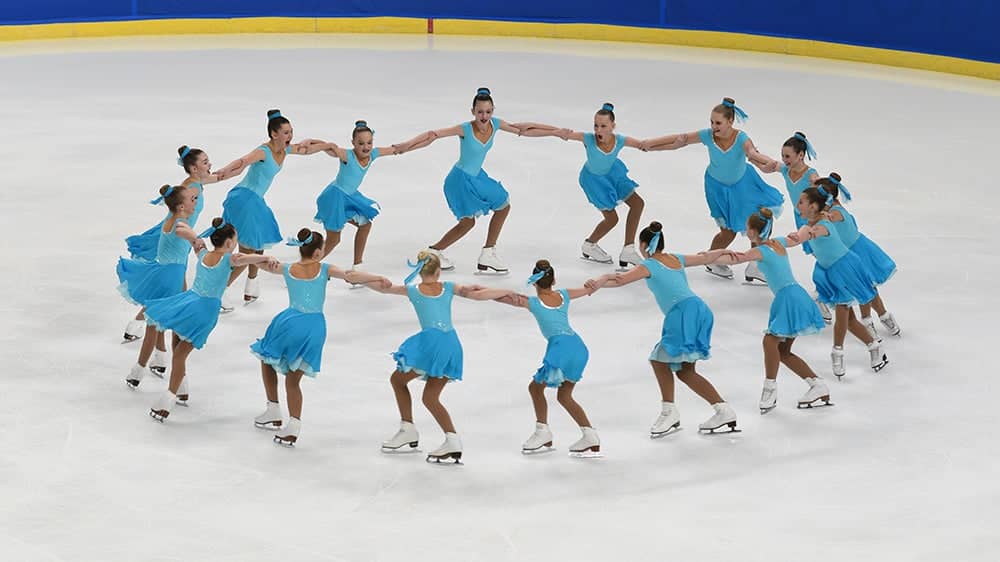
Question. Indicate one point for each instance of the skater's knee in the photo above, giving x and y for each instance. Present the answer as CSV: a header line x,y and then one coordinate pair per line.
x,y
565,398
635,202
430,400
535,388
610,217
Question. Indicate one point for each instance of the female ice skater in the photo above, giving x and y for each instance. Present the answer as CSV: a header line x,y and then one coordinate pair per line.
x,y
192,315
604,180
293,342
687,329
470,192
342,202
840,277
793,314
245,208
733,189
144,246
565,358
141,282
433,354
879,265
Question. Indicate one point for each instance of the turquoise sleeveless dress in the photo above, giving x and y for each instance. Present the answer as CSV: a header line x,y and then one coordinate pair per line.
x,y
565,354
193,314
294,340
793,312
839,275
733,188
686,335
435,351
880,266
795,189
469,190
604,178
341,201
245,208
141,281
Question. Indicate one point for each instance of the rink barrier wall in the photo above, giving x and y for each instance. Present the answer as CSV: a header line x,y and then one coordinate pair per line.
x,y
583,31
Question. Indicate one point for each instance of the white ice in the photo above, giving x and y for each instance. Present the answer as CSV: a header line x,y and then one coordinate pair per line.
x,y
902,468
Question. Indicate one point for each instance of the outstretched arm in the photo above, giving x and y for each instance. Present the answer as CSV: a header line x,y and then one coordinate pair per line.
x,y
765,163
805,234
670,142
710,257
239,260
529,129
374,282
309,146
581,292
618,279
419,141
726,257
184,231
231,169
500,295
505,126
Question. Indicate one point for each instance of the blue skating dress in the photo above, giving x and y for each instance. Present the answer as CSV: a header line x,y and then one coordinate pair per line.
x,y
245,208
793,312
733,188
142,281
192,315
341,201
565,355
604,178
434,351
795,189
686,336
839,274
880,266
294,339
470,192
143,246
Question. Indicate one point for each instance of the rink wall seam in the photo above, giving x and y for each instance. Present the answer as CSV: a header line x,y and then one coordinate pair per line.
x,y
584,31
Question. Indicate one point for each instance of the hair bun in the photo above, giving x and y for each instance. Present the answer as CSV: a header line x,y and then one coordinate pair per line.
x,y
835,176
181,150
608,106
271,113
800,134
766,213
655,226
164,188
217,222
303,234
728,100
483,91
359,124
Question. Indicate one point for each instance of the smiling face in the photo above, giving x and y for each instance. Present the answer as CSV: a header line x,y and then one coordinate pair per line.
x,y
721,126
791,158
604,127
283,136
482,112
363,142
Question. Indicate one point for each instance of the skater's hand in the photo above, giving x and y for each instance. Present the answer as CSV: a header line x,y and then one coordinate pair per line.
x,y
794,237
198,245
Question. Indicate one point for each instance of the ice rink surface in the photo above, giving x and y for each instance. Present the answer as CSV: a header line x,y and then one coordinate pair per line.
x,y
899,469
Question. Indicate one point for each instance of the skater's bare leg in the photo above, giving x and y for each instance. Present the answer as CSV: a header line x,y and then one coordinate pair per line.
x,y
404,402
794,362
432,401
270,378
698,383
496,225
178,365
858,329
723,239
772,356
332,239
608,221
537,392
573,408
635,208
360,241
665,379
866,309
455,234
146,349
293,394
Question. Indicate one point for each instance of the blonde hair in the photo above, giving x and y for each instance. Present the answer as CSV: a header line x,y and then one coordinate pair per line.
x,y
433,264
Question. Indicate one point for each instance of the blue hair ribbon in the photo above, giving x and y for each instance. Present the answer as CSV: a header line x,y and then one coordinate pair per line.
x,y
211,230
299,243
766,232
417,267
363,125
483,92
185,152
535,277
740,114
160,199
840,187
274,115
653,243
810,151
607,107
823,192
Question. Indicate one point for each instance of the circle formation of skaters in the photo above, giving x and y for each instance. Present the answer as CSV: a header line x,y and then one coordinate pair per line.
x,y
849,270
